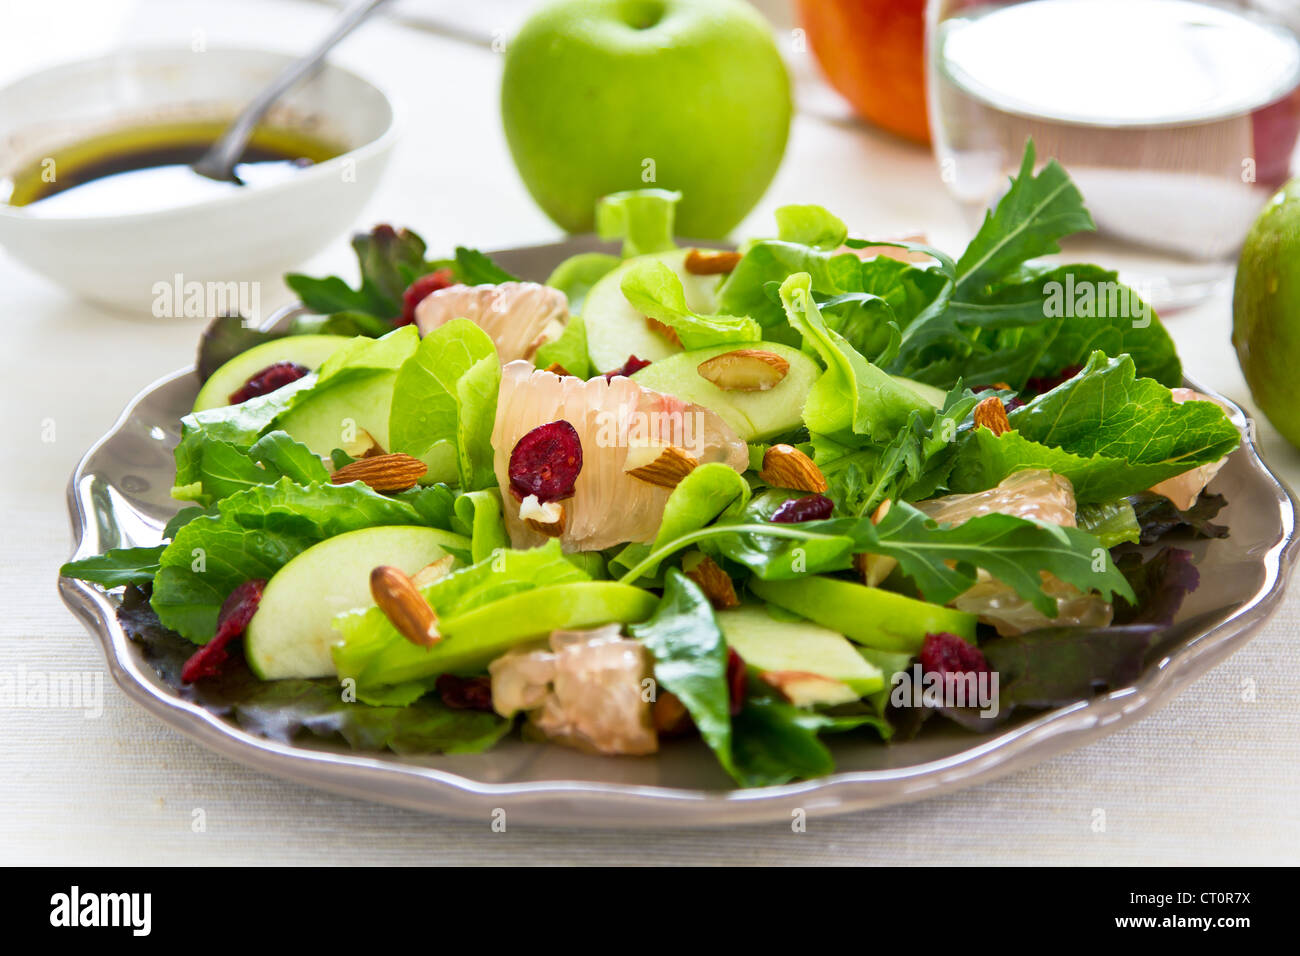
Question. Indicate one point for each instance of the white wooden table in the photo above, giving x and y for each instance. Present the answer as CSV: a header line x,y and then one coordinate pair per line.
x,y
1213,778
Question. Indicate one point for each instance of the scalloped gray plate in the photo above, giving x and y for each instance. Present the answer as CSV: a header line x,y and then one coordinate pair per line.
x,y
119,497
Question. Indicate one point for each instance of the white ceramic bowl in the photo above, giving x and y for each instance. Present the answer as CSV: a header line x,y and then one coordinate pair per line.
x,y
247,235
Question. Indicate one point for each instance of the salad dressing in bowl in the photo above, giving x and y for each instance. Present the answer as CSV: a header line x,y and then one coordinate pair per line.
x,y
148,168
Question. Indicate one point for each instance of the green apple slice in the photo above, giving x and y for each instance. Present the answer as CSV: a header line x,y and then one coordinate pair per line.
x,y
616,330
332,418
752,415
306,350
291,633
799,646
870,616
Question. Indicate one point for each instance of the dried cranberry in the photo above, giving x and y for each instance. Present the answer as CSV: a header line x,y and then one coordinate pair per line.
x,y
465,693
944,653
807,508
546,462
630,367
232,620
737,681
418,290
1037,385
268,380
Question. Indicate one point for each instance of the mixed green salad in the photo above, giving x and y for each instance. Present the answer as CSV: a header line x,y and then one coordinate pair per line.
x,y
678,492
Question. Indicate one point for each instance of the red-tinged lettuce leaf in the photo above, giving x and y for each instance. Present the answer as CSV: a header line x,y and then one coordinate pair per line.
x,y
288,710
1157,517
225,337
1160,583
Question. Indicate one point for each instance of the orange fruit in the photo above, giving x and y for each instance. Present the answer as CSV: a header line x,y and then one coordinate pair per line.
x,y
873,53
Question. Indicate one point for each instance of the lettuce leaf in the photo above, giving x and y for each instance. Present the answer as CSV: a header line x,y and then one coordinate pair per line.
x,y
256,532
1111,433
656,291
852,397
810,226
642,218
444,404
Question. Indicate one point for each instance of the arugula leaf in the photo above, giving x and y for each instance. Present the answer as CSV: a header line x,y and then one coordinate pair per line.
x,y
852,396
282,456
444,404
690,660
642,218
1011,549
656,291
1027,223
116,567
390,260
810,226
475,268
253,534
1111,433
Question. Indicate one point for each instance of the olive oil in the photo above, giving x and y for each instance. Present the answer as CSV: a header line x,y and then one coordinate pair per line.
x,y
147,168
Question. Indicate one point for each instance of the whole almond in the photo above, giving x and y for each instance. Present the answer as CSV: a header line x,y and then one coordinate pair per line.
x,y
404,606
992,414
714,582
666,469
745,370
382,472
785,466
669,714
555,368
711,262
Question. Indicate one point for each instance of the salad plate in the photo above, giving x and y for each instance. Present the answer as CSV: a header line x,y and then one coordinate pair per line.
x,y
119,497
816,525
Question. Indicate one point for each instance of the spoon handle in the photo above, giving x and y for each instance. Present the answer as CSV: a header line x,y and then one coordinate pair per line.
x,y
219,161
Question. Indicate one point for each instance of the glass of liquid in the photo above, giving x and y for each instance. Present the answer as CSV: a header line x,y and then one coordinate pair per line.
x,y
1176,118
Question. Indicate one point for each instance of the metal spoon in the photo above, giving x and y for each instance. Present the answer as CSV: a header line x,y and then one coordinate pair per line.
x,y
221,157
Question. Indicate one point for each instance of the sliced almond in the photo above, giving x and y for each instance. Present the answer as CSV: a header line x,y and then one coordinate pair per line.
x,y
992,414
382,472
805,689
667,331
434,571
711,262
713,581
745,370
663,465
546,518
555,368
363,445
404,606
785,466
874,568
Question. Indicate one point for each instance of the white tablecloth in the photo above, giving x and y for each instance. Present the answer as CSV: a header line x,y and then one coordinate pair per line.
x,y
1212,778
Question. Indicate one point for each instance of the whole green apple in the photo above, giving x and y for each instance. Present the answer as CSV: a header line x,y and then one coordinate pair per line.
x,y
1266,311
605,95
